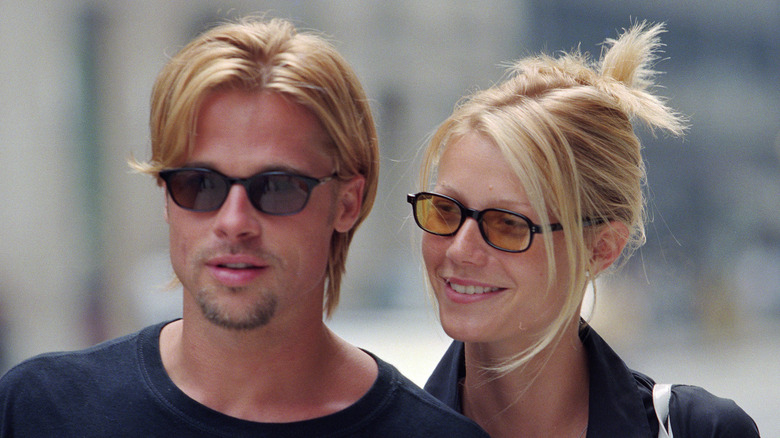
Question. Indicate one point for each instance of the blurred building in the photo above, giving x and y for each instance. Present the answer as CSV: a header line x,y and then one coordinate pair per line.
x,y
84,245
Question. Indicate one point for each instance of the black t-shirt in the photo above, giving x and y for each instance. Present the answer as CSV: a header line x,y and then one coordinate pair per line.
x,y
120,388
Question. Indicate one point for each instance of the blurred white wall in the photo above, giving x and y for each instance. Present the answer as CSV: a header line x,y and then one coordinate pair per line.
x,y
81,229
84,246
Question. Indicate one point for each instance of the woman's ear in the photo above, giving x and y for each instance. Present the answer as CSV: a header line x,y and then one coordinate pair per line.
x,y
607,245
349,203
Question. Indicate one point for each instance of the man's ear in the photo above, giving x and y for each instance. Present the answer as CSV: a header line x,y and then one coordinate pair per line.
x,y
349,203
607,245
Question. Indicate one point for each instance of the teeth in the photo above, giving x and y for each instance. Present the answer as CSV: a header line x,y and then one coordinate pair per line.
x,y
471,290
237,265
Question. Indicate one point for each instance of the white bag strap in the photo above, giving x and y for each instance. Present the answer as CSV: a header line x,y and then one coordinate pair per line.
x,y
662,393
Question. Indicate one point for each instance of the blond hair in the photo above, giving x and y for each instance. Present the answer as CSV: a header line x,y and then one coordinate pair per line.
x,y
270,56
565,126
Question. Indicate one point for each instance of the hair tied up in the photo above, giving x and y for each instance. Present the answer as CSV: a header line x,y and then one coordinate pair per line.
x,y
627,73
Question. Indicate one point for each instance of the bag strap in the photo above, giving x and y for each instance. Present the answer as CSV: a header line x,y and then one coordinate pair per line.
x,y
662,393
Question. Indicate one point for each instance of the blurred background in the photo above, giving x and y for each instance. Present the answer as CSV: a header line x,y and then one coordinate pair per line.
x,y
84,244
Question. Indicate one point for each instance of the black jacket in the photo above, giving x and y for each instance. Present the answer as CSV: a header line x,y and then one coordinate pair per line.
x,y
621,401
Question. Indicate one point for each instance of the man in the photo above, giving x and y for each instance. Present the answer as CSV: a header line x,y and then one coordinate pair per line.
x,y
265,144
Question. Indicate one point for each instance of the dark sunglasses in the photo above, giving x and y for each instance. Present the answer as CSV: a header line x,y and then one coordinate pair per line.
x,y
275,193
502,229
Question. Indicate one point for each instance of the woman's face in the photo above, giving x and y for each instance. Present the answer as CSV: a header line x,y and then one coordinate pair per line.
x,y
485,294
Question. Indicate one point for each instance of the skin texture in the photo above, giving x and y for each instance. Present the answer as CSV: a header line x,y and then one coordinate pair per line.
x,y
549,397
514,309
473,171
281,276
252,336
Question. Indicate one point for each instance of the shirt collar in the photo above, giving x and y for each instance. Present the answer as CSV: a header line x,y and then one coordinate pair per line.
x,y
616,405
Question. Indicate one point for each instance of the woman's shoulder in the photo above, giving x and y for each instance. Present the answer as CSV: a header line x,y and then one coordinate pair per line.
x,y
694,411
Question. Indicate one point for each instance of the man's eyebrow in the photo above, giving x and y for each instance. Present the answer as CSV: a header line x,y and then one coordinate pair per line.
x,y
200,164
268,168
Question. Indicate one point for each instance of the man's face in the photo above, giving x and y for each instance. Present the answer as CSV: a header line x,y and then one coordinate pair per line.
x,y
242,268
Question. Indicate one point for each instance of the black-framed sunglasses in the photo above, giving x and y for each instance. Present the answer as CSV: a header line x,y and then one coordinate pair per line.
x,y
275,193
502,229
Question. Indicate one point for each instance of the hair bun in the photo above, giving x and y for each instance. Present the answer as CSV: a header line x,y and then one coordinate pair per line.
x,y
627,74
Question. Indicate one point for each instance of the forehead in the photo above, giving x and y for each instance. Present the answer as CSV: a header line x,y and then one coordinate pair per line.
x,y
473,162
239,131
473,170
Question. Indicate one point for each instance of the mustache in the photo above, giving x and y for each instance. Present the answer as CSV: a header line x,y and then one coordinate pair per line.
x,y
233,249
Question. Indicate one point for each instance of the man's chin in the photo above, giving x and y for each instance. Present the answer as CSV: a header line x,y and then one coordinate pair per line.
x,y
259,316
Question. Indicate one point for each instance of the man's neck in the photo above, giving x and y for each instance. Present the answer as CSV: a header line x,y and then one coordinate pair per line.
x,y
266,374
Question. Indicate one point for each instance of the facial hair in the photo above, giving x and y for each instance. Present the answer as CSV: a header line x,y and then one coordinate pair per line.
x,y
257,314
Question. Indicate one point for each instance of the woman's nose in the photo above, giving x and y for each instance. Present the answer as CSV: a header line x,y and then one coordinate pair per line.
x,y
467,245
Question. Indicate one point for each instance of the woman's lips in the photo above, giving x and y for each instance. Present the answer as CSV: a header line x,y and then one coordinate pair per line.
x,y
471,289
464,292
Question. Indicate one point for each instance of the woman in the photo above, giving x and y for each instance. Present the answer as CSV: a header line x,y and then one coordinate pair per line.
x,y
537,190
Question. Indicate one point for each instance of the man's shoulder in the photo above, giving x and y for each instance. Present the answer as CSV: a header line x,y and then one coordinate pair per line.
x,y
413,412
62,393
65,369
90,356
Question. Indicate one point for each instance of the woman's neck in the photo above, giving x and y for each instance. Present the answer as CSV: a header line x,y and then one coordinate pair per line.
x,y
546,397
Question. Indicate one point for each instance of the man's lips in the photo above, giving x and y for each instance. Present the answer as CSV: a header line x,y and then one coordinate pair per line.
x,y
236,265
236,262
235,271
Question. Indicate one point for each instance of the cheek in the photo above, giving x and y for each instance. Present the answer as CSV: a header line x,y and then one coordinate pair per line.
x,y
178,248
180,238
434,249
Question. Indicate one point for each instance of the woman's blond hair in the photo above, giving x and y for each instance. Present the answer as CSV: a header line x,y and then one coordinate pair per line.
x,y
565,126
